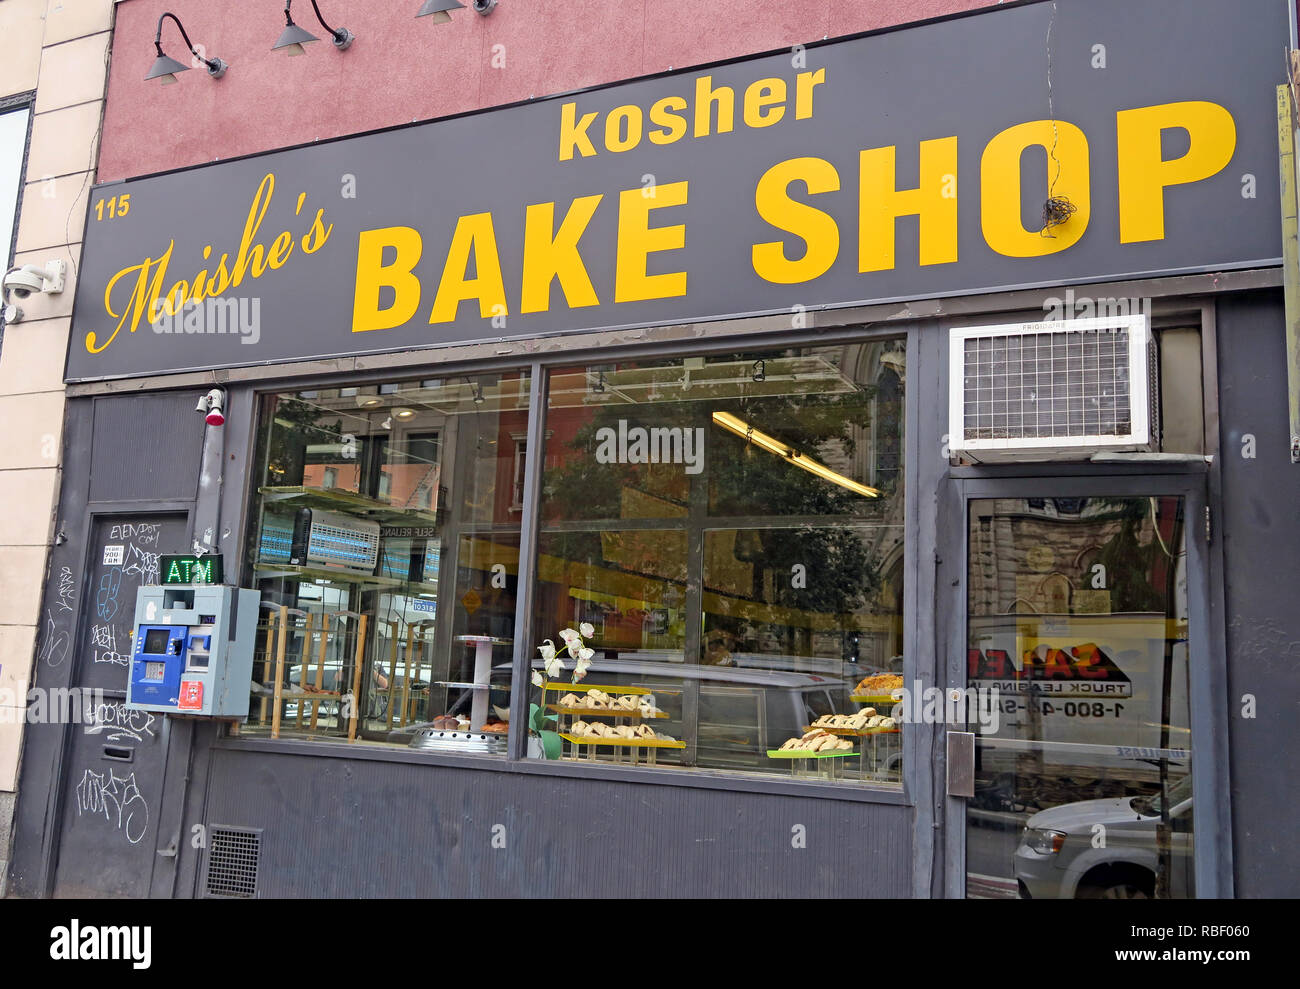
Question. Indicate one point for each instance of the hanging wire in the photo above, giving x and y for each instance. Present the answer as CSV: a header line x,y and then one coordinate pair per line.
x,y
1057,209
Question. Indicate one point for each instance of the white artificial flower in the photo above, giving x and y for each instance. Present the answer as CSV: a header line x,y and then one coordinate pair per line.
x,y
587,629
584,655
537,679
568,635
553,666
547,649
580,669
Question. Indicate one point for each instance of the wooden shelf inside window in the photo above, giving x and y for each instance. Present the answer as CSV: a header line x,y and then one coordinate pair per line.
x,y
340,500
333,576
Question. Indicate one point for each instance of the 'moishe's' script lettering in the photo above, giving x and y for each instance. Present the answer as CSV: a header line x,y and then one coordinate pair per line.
x,y
146,298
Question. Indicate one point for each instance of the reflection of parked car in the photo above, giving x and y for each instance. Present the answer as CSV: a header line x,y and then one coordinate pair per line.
x,y
740,713
1107,848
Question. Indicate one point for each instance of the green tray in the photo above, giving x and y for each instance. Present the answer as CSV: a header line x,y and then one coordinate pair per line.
x,y
805,754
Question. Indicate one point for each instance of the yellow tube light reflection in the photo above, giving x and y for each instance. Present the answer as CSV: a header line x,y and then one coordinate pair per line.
x,y
788,453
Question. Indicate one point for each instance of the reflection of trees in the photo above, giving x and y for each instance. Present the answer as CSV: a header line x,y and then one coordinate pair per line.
x,y
843,572
1131,566
843,563
293,426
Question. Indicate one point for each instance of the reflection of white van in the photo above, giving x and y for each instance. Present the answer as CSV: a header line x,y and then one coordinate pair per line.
x,y
1060,858
739,713
1097,693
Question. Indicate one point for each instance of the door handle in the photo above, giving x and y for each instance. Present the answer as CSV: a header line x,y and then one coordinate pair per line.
x,y
961,764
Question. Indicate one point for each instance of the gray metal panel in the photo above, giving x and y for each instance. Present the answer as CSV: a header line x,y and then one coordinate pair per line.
x,y
343,827
1260,525
146,447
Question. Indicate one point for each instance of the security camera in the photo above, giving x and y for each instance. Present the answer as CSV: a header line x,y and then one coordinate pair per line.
x,y
29,278
213,403
21,282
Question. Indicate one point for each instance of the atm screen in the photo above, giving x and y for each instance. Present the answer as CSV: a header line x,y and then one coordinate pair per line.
x,y
155,641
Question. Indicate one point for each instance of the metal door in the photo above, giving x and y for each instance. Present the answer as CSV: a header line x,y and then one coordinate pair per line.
x,y
113,766
1082,665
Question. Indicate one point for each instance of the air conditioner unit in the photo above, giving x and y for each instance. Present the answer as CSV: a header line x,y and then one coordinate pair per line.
x,y
1054,390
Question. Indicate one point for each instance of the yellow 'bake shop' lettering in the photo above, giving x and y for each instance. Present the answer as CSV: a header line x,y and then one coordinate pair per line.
x,y
763,103
1142,176
552,256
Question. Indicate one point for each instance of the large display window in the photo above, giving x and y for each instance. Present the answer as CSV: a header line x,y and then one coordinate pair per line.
x,y
385,542
724,534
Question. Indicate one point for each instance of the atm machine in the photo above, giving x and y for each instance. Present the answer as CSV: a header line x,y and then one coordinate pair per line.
x,y
192,653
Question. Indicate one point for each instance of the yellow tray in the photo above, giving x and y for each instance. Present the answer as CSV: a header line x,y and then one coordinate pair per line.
x,y
648,743
806,754
852,732
875,698
607,712
574,688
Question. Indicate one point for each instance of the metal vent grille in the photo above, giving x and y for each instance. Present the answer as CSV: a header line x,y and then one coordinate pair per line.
x,y
233,855
1067,383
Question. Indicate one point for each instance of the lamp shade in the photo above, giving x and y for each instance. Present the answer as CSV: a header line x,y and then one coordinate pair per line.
x,y
440,10
293,38
165,68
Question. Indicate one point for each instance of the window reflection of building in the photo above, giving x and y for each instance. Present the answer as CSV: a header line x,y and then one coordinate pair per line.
x,y
432,463
797,574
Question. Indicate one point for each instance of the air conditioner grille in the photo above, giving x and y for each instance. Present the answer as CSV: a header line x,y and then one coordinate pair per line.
x,y
233,855
1071,383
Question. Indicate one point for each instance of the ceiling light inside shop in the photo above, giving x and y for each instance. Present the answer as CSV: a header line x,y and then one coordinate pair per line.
x,y
714,381
770,443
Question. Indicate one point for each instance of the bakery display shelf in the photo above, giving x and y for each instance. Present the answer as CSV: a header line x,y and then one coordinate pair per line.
x,y
853,732
584,687
874,698
605,712
298,695
297,494
640,743
466,685
808,754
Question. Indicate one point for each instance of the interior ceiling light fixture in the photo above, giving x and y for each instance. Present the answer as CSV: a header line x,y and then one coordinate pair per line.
x,y
165,68
292,38
788,453
440,10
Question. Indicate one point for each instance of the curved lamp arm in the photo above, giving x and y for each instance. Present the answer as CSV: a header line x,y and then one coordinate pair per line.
x,y
216,66
342,37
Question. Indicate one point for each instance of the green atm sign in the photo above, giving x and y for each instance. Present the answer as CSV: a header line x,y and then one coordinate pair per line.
x,y
191,569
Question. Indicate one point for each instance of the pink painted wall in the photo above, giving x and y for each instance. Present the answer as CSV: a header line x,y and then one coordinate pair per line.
x,y
402,68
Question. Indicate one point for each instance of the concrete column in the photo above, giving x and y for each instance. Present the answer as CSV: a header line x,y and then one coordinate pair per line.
x,y
59,48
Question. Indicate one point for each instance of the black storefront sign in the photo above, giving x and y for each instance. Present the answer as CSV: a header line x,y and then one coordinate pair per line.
x,y
911,164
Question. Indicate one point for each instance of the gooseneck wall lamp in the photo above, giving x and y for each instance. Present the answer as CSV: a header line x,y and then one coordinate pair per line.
x,y
440,10
292,38
165,68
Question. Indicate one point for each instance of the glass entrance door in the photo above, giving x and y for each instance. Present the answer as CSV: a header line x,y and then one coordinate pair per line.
x,y
1077,636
